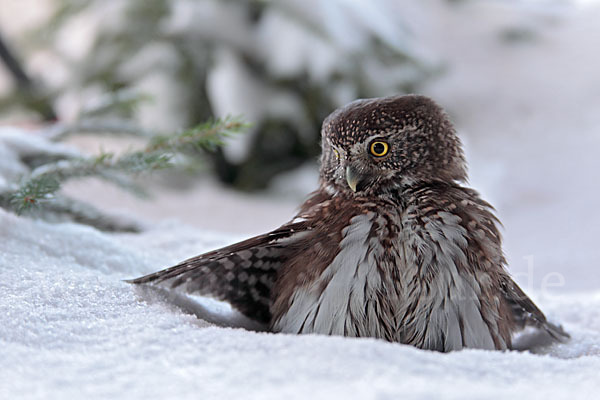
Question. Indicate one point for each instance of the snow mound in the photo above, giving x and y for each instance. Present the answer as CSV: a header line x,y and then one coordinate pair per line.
x,y
70,328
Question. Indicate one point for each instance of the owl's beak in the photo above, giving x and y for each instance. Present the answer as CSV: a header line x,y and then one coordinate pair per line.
x,y
352,177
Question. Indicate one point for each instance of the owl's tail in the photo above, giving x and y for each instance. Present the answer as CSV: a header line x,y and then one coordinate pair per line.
x,y
527,314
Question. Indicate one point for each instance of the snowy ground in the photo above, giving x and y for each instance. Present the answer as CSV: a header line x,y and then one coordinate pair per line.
x,y
528,113
71,329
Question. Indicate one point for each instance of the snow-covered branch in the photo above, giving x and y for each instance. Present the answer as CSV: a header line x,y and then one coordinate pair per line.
x,y
161,151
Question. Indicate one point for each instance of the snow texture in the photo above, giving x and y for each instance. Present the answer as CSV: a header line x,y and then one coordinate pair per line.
x,y
70,328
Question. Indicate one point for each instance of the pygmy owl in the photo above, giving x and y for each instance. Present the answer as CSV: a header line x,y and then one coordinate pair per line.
x,y
390,246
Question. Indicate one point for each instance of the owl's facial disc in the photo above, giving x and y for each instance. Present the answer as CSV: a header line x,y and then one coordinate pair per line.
x,y
362,163
356,167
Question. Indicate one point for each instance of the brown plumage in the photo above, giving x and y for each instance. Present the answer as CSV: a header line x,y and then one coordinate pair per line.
x,y
390,246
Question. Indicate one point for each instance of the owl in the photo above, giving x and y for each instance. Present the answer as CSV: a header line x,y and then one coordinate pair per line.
x,y
392,245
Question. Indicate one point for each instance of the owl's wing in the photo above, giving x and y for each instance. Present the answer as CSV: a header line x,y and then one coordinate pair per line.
x,y
241,274
526,313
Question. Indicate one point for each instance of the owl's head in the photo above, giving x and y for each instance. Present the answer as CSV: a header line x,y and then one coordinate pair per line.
x,y
375,145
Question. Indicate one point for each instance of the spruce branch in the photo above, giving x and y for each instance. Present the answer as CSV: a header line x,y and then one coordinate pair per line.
x,y
63,208
33,192
109,113
43,182
60,131
206,136
123,101
46,180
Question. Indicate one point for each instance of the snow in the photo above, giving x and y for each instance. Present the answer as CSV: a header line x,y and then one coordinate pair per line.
x,y
70,328
528,114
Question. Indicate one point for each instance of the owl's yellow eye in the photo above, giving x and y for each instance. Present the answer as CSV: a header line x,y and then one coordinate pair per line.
x,y
379,148
337,154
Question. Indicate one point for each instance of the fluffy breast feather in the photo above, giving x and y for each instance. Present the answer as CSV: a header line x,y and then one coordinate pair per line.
x,y
401,272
